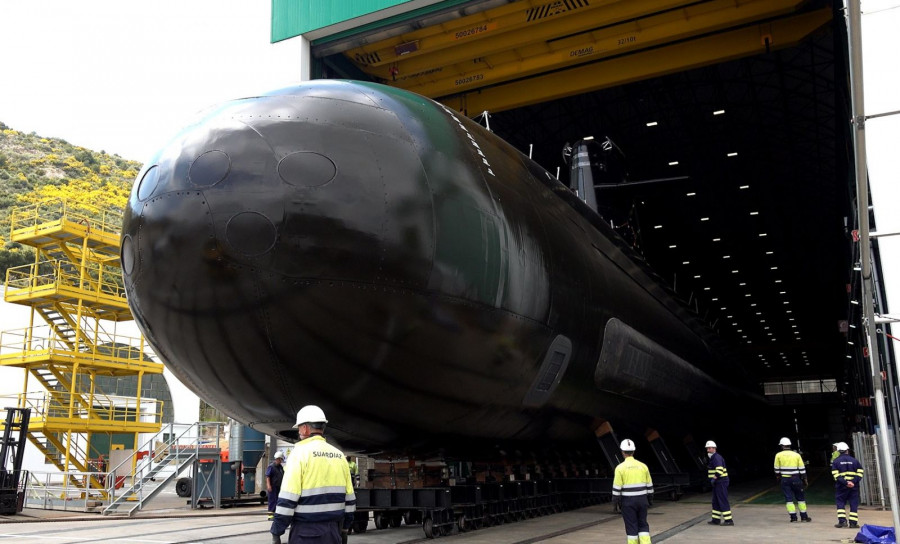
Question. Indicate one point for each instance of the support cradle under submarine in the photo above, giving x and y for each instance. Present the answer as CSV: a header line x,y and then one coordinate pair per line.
x,y
371,251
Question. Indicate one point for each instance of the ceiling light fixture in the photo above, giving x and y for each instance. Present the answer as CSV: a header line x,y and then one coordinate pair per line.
x,y
718,112
652,124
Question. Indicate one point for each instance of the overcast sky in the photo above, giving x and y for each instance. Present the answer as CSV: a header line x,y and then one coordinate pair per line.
x,y
124,76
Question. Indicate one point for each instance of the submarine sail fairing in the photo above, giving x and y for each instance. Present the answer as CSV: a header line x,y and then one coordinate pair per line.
x,y
371,251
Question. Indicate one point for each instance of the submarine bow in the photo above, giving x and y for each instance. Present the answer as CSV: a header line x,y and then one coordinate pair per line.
x,y
368,250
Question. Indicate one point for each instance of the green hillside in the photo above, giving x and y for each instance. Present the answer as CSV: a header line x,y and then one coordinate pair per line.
x,y
33,168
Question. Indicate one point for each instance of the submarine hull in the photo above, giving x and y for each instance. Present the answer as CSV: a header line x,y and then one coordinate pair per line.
x,y
370,251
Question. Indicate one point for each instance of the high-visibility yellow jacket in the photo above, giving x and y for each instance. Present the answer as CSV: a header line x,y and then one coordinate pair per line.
x,y
632,479
316,486
789,464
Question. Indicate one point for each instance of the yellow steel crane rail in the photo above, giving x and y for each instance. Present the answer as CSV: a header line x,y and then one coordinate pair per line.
x,y
490,33
534,15
750,40
610,41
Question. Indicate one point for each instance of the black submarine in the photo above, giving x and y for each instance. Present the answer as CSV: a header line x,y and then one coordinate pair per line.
x,y
371,251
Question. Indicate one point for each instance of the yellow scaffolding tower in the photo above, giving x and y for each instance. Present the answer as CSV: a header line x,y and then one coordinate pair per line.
x,y
75,291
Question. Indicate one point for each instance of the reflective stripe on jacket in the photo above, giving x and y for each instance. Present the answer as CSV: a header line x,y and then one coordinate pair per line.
x,y
789,464
846,469
716,467
316,486
632,479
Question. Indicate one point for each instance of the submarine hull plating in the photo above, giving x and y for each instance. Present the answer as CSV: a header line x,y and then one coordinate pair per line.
x,y
370,251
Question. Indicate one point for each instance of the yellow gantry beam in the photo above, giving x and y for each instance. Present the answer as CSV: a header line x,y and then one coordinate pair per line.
x,y
750,40
479,27
612,40
495,31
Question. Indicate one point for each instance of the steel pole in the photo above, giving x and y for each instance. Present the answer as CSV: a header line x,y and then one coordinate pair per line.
x,y
858,123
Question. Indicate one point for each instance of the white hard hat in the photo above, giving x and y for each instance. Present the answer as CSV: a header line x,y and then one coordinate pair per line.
x,y
279,454
626,445
710,444
784,441
310,414
842,446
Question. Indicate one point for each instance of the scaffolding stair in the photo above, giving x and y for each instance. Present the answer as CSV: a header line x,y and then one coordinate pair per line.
x,y
75,286
59,324
171,455
150,484
53,450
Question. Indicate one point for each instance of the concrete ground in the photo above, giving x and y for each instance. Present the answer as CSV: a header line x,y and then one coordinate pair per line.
x,y
169,520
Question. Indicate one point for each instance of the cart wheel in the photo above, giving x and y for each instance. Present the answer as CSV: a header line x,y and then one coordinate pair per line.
x,y
428,527
446,529
381,521
395,520
183,487
461,523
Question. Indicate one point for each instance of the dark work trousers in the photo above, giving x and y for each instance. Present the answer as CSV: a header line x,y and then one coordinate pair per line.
x,y
843,495
273,498
325,532
720,498
634,513
793,490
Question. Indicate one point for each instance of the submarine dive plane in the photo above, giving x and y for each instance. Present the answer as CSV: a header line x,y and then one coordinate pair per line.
x,y
371,251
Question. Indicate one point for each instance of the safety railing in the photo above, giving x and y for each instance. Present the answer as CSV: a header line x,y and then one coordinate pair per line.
x,y
35,278
67,491
46,341
52,210
116,411
158,461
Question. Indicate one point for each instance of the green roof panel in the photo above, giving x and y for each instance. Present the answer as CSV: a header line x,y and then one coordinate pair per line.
x,y
292,18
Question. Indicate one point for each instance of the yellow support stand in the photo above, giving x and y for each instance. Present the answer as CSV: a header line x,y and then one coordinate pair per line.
x,y
75,290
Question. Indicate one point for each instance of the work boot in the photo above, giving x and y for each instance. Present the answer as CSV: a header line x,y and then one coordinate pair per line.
x,y
840,524
712,522
276,539
728,522
854,525
793,518
805,518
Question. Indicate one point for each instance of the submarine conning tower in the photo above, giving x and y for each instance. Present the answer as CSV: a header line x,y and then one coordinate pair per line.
x,y
592,164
